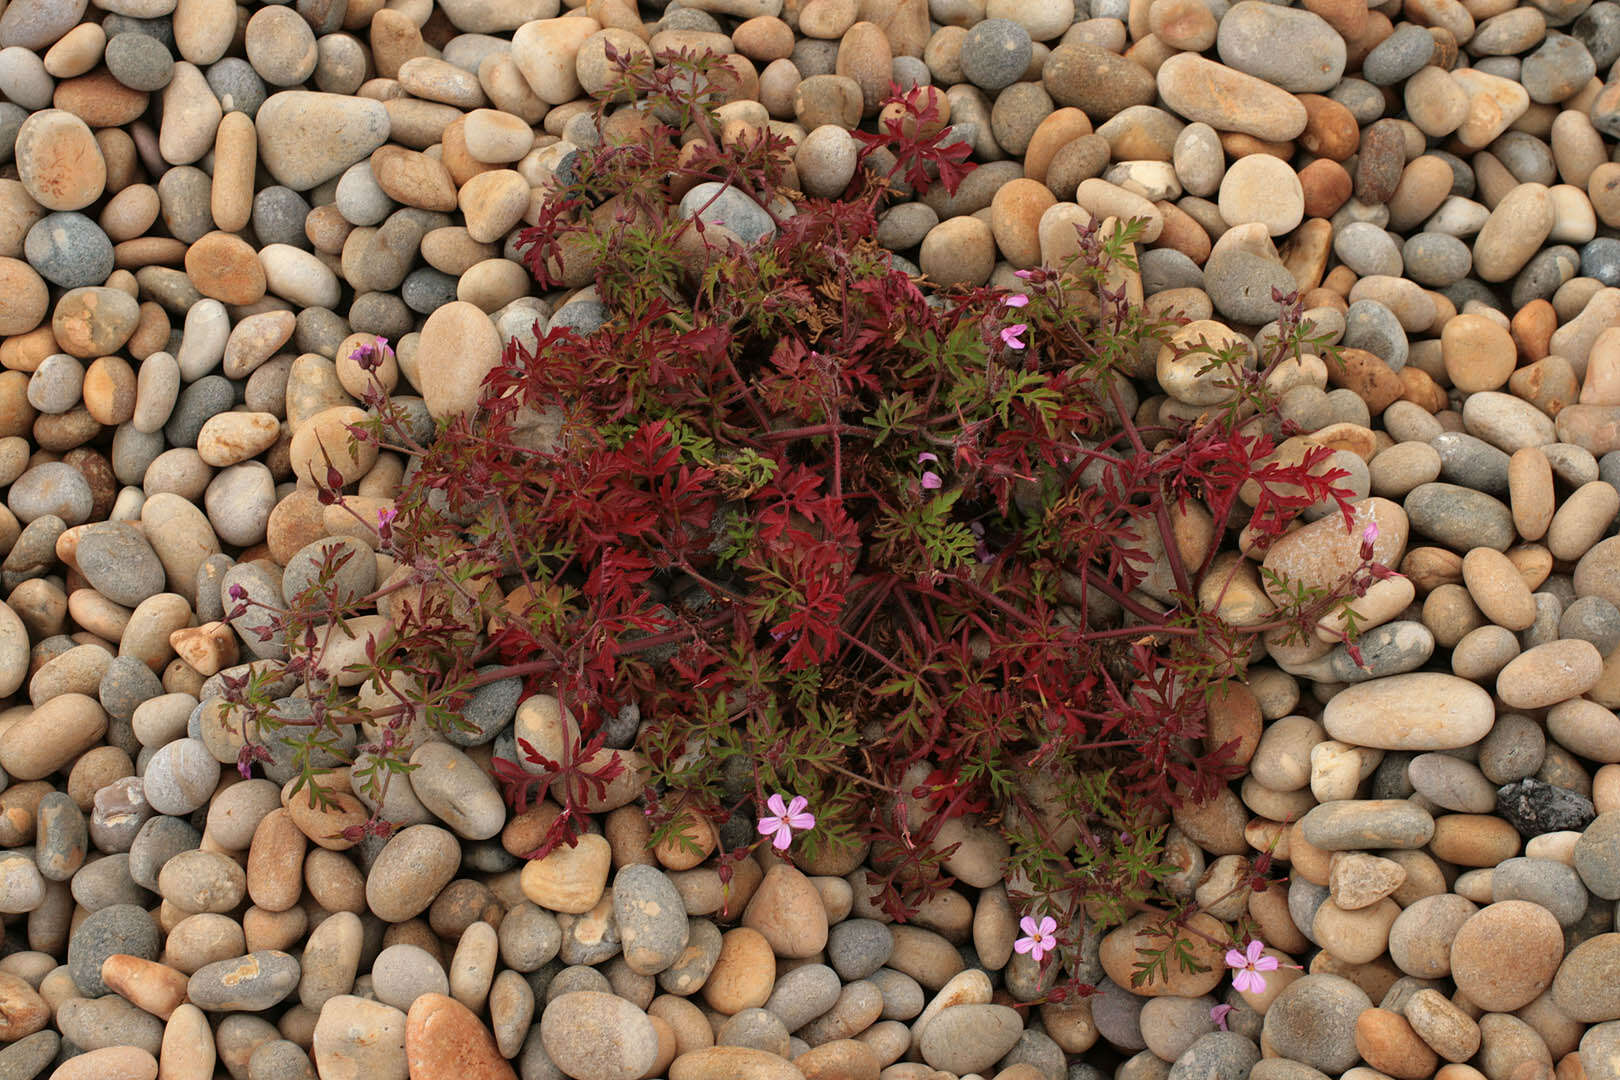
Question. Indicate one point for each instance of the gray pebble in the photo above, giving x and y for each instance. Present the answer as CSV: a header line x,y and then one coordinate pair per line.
x,y
995,53
118,562
127,683
207,397
62,837
1370,325
139,61
160,839
1598,29
52,488
1436,259
739,213
1552,884
1399,56
1241,284
1472,463
56,385
184,194
246,984
122,928
237,86
426,290
1220,1055
69,249
278,217
858,947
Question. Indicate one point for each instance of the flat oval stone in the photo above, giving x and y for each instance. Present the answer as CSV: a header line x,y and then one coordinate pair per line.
x,y
1416,711
588,1033
1356,824
246,984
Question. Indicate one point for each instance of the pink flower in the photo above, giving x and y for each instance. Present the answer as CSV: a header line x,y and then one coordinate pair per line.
x,y
1015,300
1248,965
1040,937
1009,335
784,819
1219,1014
1025,274
930,480
1369,537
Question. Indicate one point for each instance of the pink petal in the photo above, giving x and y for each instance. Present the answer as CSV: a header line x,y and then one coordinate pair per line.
x,y
1266,963
777,806
1028,925
1025,274
803,821
1023,945
1218,1014
1015,300
931,481
1235,959
1255,950
1048,926
797,806
784,837
768,825
1038,952
927,455
1241,981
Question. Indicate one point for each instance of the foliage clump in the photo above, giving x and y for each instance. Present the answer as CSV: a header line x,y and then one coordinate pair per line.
x,y
919,554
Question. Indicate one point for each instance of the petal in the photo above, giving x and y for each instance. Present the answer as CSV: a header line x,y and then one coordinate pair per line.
x,y
1266,963
1256,949
1028,925
1048,926
931,481
784,837
768,825
1038,952
1016,300
1048,942
797,806
777,806
1235,959
1023,945
1240,981
927,455
803,821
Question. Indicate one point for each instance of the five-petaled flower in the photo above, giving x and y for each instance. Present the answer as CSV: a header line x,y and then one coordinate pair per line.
x,y
1009,335
1248,965
1219,1014
784,819
1040,938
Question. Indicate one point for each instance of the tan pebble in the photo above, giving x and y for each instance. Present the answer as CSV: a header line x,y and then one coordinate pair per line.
x,y
744,973
232,437
1582,520
109,1063
1550,673
59,161
225,267
1389,1044
1501,594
